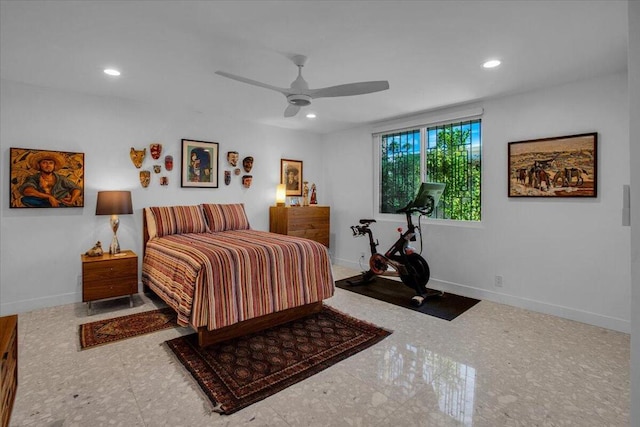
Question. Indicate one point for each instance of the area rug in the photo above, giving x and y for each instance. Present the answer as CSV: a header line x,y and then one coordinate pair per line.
x,y
241,371
119,328
447,307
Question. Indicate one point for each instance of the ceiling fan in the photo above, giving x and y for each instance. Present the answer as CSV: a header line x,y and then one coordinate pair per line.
x,y
299,95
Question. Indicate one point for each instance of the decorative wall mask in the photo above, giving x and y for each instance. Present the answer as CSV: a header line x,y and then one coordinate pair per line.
x,y
145,178
247,164
157,168
227,177
232,158
137,156
168,163
156,150
236,171
164,180
246,181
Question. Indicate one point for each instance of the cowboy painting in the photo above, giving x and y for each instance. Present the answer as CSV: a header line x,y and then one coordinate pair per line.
x,y
46,179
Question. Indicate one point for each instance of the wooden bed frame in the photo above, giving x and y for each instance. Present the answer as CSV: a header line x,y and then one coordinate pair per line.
x,y
206,337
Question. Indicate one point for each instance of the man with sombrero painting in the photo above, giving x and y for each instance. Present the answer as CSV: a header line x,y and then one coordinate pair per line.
x,y
46,189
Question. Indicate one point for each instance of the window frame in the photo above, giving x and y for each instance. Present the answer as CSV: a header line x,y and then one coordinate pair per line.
x,y
423,126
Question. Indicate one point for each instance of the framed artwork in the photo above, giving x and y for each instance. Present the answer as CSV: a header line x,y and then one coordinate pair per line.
x,y
46,178
199,164
564,166
291,176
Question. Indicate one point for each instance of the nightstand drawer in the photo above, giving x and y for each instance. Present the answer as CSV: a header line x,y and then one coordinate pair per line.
x,y
109,288
110,269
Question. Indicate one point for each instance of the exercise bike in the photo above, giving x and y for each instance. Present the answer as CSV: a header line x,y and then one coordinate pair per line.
x,y
401,259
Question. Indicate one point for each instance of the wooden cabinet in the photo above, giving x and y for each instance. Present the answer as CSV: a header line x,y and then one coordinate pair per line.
x,y
8,366
311,222
109,276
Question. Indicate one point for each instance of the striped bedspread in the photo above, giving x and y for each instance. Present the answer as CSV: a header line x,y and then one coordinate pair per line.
x,y
218,279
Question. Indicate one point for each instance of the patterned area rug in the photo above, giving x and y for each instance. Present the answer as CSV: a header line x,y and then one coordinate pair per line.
x,y
447,307
119,328
241,371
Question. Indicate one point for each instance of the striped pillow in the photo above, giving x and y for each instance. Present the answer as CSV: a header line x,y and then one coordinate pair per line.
x,y
164,219
213,215
189,219
235,218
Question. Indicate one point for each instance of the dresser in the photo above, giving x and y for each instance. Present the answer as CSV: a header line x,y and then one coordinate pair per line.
x,y
8,366
109,276
311,222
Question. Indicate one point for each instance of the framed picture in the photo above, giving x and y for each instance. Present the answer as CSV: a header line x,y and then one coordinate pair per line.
x,y
46,179
291,176
199,164
564,166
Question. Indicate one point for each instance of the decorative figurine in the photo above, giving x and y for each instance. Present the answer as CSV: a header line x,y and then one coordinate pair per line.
x,y
232,158
305,193
155,149
246,181
157,168
96,250
137,156
227,177
314,197
145,178
168,163
247,164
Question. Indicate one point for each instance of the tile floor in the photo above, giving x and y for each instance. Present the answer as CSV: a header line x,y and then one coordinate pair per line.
x,y
495,365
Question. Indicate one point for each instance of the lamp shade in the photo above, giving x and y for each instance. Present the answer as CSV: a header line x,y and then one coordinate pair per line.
x,y
281,195
114,203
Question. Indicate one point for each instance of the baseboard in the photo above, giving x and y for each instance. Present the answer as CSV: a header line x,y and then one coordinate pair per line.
x,y
613,323
26,305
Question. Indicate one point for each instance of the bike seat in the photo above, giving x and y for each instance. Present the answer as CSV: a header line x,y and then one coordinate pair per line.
x,y
367,221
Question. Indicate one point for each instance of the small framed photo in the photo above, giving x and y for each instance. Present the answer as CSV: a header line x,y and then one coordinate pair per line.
x,y
564,166
199,164
291,176
46,179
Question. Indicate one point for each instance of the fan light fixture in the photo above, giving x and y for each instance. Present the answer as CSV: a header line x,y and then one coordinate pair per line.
x,y
311,116
112,72
493,63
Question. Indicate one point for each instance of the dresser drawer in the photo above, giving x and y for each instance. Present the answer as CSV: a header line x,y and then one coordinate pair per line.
x,y
109,269
109,288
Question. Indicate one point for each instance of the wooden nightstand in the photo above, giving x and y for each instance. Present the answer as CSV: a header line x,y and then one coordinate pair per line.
x,y
311,222
109,276
8,366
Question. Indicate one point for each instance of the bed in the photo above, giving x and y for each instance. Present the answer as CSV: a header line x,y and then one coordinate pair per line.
x,y
225,279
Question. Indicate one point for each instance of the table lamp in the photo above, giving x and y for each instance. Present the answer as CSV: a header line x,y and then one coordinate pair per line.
x,y
281,195
114,203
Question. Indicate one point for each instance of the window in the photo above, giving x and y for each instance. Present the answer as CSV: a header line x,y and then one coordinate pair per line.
x,y
449,153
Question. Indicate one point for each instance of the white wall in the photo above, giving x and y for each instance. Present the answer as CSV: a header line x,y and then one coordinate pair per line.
x,y
568,257
634,139
40,248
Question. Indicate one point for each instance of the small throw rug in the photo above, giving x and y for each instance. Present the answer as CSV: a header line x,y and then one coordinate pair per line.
x,y
447,307
119,328
241,371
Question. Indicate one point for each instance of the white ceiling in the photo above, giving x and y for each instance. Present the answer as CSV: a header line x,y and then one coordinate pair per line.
x,y
430,51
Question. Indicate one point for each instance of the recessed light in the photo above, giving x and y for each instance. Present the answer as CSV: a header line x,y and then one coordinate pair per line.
x,y
112,72
311,116
493,63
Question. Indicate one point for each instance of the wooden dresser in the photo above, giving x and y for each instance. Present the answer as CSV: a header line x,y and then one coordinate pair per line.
x,y
8,366
109,276
311,222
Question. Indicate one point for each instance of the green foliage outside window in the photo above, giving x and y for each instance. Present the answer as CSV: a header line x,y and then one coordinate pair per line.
x,y
452,156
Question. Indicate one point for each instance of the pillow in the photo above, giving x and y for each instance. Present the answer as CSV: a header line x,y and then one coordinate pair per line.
x,y
165,220
225,217
151,223
214,217
235,217
189,219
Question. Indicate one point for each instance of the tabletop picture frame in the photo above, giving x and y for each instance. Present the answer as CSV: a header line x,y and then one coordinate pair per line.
x,y
291,176
199,165
563,166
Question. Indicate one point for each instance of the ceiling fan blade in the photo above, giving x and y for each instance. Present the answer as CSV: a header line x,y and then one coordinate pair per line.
x,y
291,110
349,89
284,91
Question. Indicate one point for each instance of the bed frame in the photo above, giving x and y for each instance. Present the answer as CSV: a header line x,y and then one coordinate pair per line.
x,y
206,337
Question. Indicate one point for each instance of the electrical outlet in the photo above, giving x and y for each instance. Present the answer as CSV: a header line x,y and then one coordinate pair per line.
x,y
361,255
498,281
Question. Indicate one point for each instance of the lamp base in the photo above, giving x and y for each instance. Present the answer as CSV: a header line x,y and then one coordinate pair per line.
x,y
114,248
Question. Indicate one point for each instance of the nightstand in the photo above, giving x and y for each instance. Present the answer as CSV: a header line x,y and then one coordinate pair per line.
x,y
8,366
109,276
311,222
